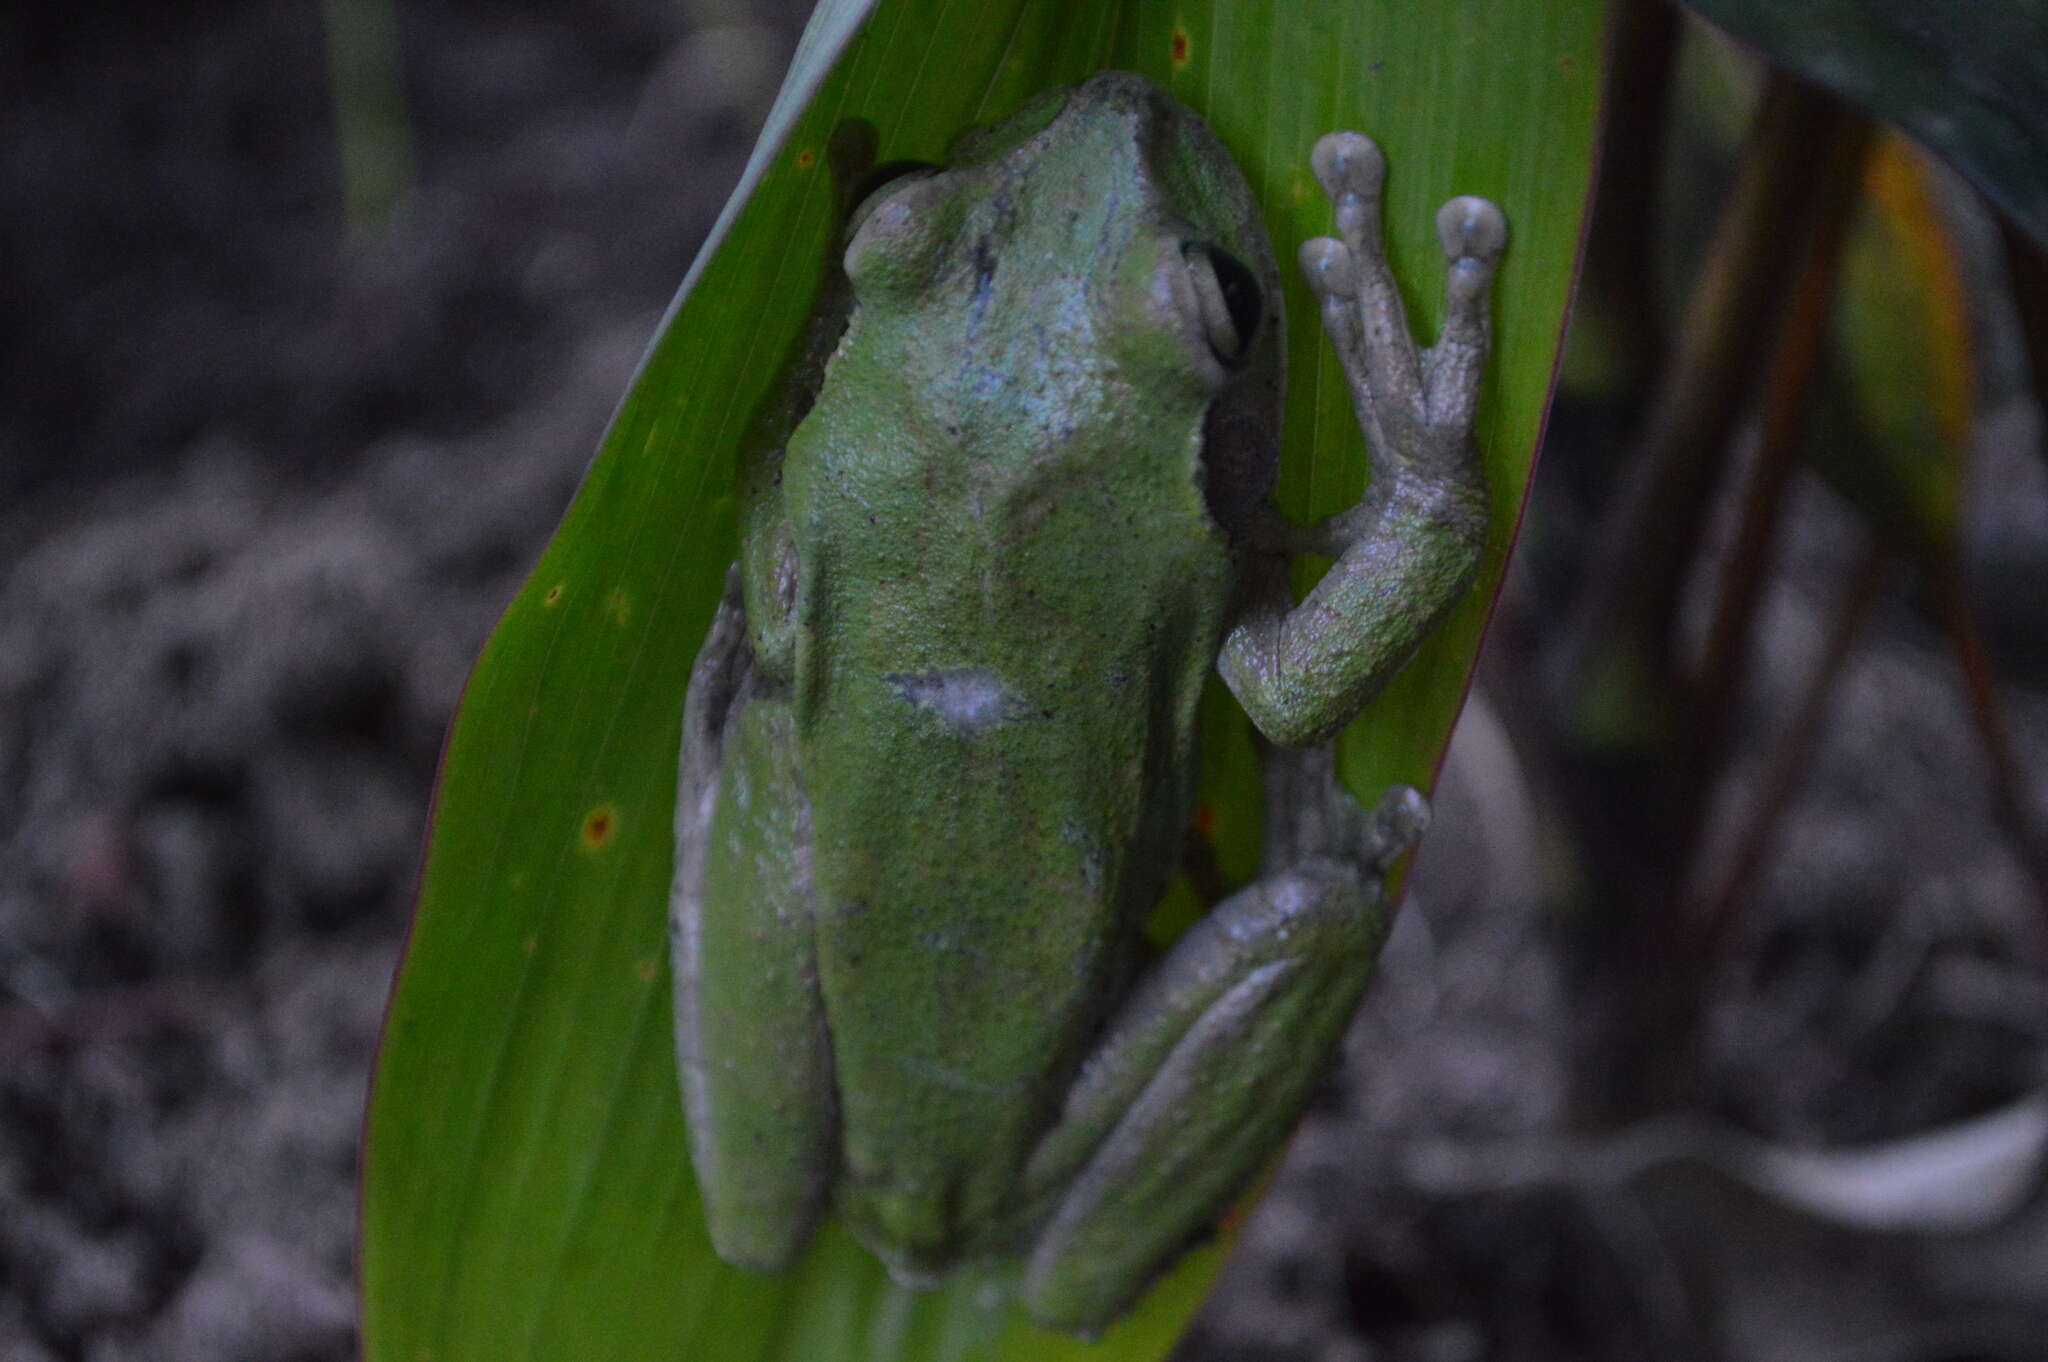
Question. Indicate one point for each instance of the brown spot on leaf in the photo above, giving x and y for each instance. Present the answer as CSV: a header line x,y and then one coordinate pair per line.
x,y
806,158
1179,47
600,825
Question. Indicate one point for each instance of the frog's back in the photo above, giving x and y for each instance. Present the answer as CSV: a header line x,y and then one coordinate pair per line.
x,y
997,694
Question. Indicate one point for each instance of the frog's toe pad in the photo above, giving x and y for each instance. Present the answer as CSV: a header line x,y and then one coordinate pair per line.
x,y
1398,822
1471,228
1327,265
1348,163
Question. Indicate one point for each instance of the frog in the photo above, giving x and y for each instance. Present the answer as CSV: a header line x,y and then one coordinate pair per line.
x,y
939,760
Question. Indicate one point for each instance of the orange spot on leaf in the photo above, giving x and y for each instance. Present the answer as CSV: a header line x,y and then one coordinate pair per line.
x,y
1205,820
1179,47
600,825
806,158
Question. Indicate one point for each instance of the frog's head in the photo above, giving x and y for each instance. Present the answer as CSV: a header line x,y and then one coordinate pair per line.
x,y
1092,275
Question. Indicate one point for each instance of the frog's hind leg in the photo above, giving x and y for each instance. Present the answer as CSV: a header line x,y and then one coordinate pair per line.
x,y
1217,1051
752,1051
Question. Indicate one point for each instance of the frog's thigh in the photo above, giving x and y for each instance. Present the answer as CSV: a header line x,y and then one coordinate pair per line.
x,y
751,1046
1200,1079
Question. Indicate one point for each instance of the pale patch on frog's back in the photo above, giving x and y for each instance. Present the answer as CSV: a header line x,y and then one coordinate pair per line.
x,y
966,699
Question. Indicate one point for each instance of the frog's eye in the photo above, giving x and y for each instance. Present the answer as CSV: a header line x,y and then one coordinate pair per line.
x,y
880,184
1228,294
891,238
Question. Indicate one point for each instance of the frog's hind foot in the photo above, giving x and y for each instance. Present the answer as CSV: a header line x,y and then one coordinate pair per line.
x,y
1396,825
1311,815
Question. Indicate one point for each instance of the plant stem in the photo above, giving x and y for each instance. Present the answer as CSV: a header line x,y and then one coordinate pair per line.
x,y
2011,801
374,138
1717,911
2027,266
1788,392
1650,536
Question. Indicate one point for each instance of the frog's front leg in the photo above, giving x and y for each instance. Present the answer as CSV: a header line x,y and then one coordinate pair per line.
x,y
1213,1057
752,1051
1410,548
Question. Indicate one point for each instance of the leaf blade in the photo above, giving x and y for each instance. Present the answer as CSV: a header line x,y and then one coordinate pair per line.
x,y
1969,81
526,1190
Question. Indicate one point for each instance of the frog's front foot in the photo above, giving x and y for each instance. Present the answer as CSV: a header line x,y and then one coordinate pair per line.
x,y
1416,407
1409,549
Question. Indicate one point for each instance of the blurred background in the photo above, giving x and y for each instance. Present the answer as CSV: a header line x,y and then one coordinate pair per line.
x,y
310,316
288,404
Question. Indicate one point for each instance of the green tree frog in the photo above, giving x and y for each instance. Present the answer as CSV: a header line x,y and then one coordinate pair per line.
x,y
938,758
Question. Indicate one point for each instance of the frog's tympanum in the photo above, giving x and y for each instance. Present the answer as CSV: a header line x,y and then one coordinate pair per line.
x,y
938,757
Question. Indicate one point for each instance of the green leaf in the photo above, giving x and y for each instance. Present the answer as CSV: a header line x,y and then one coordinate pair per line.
x,y
526,1189
1968,80
1905,373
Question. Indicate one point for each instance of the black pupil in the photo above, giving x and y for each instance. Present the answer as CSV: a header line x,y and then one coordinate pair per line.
x,y
1240,293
